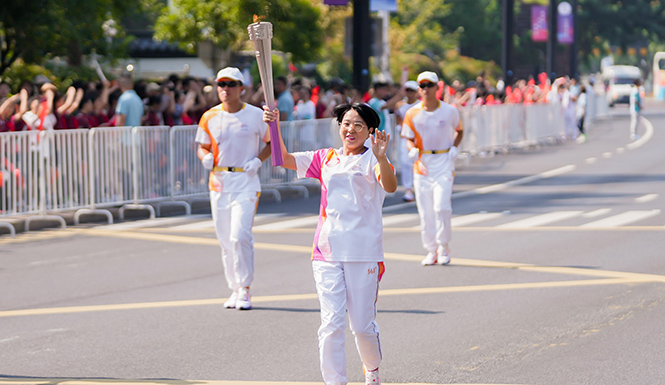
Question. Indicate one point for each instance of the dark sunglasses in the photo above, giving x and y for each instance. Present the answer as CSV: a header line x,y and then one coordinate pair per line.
x,y
427,85
230,84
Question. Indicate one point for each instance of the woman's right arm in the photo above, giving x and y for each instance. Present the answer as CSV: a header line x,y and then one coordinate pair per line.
x,y
289,159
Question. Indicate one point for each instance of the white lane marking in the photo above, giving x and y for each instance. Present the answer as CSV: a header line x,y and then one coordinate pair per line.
x,y
208,224
149,222
465,220
540,220
591,160
607,155
399,206
621,150
399,218
646,198
289,224
195,226
623,218
648,134
516,182
596,213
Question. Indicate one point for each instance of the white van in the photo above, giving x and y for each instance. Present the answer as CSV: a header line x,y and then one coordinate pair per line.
x,y
618,81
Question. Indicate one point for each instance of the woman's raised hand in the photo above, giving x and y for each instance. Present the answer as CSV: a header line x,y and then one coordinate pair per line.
x,y
269,116
380,141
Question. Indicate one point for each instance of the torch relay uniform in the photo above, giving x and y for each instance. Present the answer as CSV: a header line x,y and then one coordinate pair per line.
x,y
347,254
235,139
434,171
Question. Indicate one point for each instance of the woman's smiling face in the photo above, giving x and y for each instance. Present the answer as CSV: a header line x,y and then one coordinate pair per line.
x,y
354,132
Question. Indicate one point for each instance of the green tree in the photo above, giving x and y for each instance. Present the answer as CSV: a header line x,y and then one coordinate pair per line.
x,y
21,27
295,24
479,24
619,23
38,29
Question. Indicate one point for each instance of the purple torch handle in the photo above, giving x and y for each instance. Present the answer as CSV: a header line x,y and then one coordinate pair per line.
x,y
277,159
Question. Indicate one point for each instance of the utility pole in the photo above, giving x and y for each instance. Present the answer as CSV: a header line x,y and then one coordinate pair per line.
x,y
361,44
573,47
552,39
507,46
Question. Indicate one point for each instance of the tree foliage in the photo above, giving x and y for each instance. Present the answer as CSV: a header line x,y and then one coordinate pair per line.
x,y
37,29
295,24
619,23
479,26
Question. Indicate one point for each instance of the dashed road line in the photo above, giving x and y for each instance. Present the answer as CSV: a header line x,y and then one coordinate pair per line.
x,y
516,182
596,213
542,219
465,220
646,198
622,219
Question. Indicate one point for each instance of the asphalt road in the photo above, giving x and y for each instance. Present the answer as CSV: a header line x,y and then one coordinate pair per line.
x,y
557,277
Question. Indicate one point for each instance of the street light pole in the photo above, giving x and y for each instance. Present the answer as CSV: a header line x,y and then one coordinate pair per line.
x,y
507,40
573,46
361,44
552,39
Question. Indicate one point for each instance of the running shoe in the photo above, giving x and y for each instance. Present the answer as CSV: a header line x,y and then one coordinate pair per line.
x,y
231,302
408,196
243,302
430,259
443,255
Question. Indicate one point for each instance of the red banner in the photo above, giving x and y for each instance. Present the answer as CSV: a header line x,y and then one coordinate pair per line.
x,y
539,28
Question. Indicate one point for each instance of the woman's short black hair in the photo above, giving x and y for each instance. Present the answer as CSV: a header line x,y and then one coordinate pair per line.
x,y
366,112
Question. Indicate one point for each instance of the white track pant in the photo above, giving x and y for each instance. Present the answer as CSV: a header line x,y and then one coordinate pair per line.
x,y
343,286
233,216
635,119
435,210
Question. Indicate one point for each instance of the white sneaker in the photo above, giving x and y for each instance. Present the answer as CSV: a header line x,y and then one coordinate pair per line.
x,y
408,196
243,302
430,259
372,378
443,255
231,302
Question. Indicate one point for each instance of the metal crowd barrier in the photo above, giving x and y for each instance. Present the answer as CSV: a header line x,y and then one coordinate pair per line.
x,y
189,180
63,178
90,171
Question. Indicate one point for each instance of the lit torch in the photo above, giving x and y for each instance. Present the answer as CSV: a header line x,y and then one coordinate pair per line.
x,y
260,33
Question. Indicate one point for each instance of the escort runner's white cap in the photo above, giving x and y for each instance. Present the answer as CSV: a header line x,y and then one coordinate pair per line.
x,y
429,76
411,85
230,73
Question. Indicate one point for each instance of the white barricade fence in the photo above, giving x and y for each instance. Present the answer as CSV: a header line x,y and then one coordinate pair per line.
x,y
19,184
516,125
151,152
188,177
128,167
470,139
111,164
64,182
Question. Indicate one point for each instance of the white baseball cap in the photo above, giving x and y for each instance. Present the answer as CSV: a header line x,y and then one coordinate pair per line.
x,y
429,76
411,85
230,73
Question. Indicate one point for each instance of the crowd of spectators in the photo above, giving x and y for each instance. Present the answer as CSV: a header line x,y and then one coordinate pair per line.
x,y
39,105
